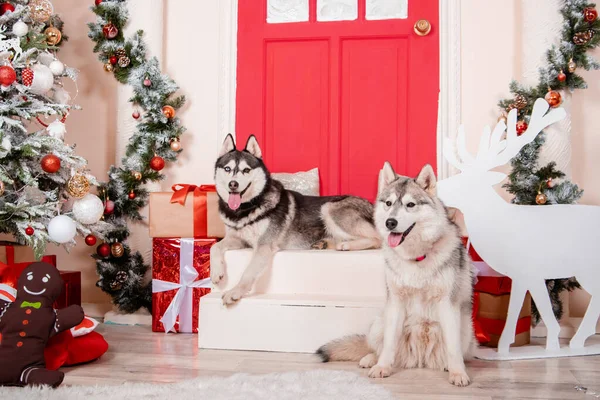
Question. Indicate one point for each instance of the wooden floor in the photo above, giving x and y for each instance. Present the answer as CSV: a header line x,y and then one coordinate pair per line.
x,y
136,354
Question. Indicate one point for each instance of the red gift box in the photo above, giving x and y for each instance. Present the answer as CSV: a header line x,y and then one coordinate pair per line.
x,y
71,293
180,277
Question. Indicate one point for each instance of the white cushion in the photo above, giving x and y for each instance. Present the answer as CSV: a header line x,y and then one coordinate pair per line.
x,y
306,183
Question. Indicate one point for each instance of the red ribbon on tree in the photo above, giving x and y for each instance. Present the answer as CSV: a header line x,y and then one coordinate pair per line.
x,y
180,193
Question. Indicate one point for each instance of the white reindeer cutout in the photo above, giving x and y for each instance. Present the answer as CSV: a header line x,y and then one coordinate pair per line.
x,y
526,243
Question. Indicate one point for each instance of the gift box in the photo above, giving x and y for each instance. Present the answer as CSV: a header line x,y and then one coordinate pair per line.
x,y
14,258
71,293
180,277
187,211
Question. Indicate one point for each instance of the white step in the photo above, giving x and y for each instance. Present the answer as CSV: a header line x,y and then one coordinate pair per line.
x,y
284,322
319,272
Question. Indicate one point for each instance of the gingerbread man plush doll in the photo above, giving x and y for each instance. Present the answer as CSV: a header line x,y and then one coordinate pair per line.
x,y
28,323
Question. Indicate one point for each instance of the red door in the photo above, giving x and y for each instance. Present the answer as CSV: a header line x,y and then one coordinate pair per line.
x,y
343,96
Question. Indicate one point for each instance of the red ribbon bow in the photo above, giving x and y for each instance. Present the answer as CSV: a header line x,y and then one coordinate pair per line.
x,y
180,193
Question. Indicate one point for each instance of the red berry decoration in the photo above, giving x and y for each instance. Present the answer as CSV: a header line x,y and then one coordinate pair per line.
x,y
590,14
109,207
29,231
7,75
103,250
27,76
157,163
132,195
113,60
521,127
561,76
136,114
6,7
50,163
110,31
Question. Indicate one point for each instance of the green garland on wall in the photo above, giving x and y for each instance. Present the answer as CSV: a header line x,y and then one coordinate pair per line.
x,y
155,141
530,183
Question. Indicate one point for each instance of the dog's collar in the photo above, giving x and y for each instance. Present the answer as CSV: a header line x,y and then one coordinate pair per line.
x,y
421,258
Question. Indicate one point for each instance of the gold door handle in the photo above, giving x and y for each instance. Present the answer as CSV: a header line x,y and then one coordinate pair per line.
x,y
422,27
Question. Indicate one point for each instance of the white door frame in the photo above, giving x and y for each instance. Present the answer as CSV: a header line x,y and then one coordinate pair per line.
x,y
449,108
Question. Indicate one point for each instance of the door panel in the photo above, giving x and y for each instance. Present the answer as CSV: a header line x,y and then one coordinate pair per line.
x,y
343,95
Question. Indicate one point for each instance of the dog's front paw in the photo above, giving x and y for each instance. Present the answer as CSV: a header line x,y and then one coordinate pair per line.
x,y
368,361
380,371
234,295
217,271
459,378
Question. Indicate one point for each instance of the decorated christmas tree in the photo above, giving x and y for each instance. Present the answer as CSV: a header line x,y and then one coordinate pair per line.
x,y
530,183
44,185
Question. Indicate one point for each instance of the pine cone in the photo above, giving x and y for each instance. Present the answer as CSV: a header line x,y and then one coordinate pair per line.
x,y
520,102
120,53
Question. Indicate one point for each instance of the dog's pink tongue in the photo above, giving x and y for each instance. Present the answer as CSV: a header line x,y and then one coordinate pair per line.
x,y
394,239
235,200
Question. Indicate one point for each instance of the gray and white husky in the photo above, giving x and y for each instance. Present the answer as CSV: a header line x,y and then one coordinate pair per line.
x,y
426,321
259,213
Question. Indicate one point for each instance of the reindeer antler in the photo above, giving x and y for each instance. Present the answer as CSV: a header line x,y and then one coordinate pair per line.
x,y
493,151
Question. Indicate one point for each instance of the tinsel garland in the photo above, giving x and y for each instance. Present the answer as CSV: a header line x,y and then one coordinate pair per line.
x,y
122,277
527,179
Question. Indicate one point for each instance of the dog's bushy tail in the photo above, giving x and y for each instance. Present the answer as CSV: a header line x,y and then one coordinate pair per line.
x,y
348,348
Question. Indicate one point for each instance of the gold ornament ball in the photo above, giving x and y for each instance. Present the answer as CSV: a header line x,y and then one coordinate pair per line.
x,y
78,186
541,199
175,145
572,66
53,36
117,249
137,175
168,112
2,188
108,67
40,10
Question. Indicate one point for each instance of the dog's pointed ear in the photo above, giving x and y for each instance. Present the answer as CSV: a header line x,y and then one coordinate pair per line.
x,y
386,176
228,145
427,180
252,147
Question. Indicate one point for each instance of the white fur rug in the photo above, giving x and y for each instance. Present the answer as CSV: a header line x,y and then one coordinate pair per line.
x,y
310,385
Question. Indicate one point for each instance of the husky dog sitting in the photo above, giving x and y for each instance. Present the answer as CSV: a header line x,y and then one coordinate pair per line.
x,y
259,213
426,321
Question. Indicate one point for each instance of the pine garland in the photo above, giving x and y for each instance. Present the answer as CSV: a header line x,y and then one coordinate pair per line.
x,y
123,277
527,178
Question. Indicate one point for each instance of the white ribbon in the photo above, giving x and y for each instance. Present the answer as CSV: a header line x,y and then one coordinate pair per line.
x,y
182,303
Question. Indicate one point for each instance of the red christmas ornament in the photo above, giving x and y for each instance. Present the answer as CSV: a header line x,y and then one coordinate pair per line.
x,y
109,207
103,250
147,82
132,195
90,240
110,31
590,14
50,163
98,2
157,163
553,98
6,7
136,114
521,127
29,231
113,60
27,76
7,75
561,76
